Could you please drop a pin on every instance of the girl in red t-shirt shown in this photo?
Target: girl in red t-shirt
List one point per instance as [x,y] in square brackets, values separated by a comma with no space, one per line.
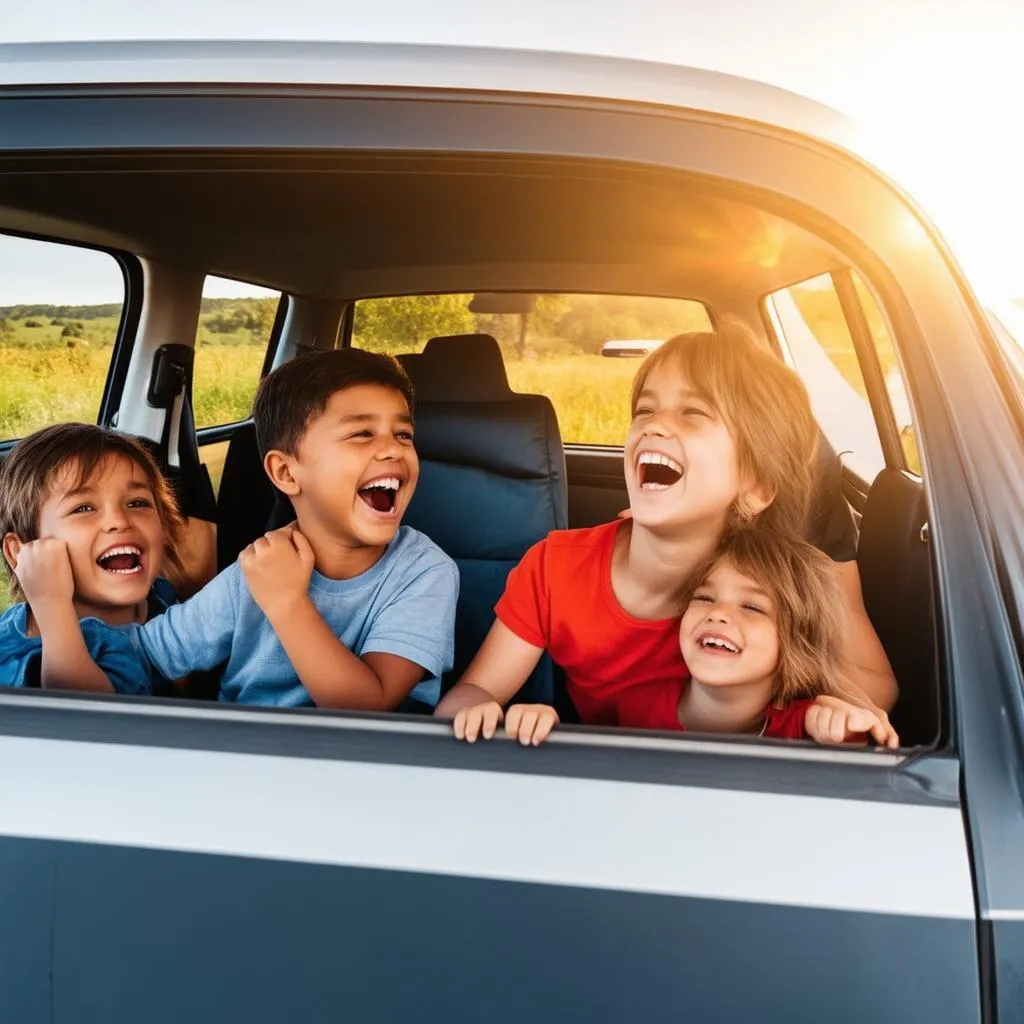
[762,636]
[722,433]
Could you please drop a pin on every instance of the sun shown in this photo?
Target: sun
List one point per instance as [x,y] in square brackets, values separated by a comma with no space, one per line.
[947,141]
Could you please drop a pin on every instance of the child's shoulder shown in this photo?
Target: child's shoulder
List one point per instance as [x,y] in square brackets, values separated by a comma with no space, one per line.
[416,550]
[14,622]
[583,539]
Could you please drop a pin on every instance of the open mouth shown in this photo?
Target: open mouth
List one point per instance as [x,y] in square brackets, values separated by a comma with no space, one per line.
[717,644]
[381,494]
[124,560]
[657,472]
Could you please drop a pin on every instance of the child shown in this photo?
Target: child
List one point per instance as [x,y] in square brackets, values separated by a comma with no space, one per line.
[88,523]
[722,433]
[762,638]
[344,608]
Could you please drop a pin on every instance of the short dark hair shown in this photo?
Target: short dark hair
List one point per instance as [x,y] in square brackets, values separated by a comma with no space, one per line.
[290,396]
[34,461]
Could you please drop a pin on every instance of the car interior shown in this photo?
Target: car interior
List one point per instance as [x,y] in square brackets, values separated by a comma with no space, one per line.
[329,231]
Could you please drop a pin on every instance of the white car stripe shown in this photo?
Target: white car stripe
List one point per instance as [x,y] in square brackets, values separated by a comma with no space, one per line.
[638,837]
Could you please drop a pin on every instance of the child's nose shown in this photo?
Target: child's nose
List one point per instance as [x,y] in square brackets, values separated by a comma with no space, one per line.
[115,518]
[655,426]
[718,613]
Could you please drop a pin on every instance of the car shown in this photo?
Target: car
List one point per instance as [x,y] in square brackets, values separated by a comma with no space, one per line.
[629,348]
[167,860]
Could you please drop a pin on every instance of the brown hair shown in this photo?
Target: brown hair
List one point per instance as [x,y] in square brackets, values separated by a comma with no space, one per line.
[290,396]
[805,589]
[765,407]
[28,471]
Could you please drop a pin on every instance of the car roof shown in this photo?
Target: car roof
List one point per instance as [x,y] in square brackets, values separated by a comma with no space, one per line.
[402,65]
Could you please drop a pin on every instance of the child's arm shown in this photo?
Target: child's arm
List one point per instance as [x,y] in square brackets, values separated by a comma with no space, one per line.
[278,568]
[44,572]
[503,663]
[869,672]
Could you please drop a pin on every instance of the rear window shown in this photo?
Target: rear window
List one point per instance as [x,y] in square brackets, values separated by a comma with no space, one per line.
[580,350]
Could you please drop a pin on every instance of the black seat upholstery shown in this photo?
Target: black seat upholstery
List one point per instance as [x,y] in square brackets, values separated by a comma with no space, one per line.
[247,501]
[896,577]
[492,479]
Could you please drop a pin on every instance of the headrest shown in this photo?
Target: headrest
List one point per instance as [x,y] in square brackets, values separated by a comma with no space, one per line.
[459,368]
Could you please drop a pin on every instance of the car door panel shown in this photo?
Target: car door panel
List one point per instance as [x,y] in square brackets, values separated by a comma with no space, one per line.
[275,866]
[596,485]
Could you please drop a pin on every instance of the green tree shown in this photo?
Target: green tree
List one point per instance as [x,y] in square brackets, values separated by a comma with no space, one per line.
[261,319]
[405,323]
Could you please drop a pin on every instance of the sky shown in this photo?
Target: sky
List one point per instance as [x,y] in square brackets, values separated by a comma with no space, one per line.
[939,84]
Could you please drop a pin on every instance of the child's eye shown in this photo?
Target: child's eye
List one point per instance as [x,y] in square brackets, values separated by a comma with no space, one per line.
[360,435]
[703,598]
[404,435]
[81,508]
[641,410]
[140,503]
[755,608]
[694,410]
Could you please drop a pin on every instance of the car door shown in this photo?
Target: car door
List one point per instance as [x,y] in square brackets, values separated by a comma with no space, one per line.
[170,861]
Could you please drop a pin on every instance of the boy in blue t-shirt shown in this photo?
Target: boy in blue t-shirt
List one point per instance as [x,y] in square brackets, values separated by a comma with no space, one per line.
[344,608]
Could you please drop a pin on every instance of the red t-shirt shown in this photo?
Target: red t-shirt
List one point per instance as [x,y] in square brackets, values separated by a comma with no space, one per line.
[657,707]
[560,597]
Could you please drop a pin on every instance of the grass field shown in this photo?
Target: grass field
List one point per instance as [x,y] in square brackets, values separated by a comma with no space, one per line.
[49,382]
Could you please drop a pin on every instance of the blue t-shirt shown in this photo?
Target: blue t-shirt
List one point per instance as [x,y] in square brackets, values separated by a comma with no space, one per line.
[403,605]
[112,649]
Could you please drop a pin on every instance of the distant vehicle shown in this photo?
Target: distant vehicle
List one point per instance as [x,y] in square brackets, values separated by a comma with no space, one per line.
[630,348]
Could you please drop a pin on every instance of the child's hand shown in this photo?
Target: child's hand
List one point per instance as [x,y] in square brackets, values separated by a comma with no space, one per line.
[833,720]
[477,720]
[277,568]
[531,724]
[43,569]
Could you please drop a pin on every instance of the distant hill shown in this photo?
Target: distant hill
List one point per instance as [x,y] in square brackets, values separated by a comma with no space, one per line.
[107,309]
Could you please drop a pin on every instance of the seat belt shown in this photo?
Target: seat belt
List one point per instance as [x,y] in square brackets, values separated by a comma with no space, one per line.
[177,451]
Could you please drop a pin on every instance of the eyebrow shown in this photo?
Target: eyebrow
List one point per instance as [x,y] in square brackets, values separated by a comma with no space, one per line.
[681,393]
[86,490]
[370,417]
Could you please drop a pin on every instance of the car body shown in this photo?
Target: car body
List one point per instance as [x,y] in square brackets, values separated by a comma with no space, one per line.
[165,860]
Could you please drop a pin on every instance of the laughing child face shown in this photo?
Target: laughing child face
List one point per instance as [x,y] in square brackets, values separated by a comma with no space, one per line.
[113,530]
[355,467]
[729,634]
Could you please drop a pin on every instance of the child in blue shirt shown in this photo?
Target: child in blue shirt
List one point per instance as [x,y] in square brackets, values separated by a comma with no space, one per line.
[88,523]
[344,607]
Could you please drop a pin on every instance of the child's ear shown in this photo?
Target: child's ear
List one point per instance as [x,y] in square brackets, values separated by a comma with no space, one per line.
[11,547]
[278,467]
[753,500]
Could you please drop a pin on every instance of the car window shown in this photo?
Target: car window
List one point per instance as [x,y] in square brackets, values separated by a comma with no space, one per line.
[235,322]
[60,308]
[579,350]
[816,341]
